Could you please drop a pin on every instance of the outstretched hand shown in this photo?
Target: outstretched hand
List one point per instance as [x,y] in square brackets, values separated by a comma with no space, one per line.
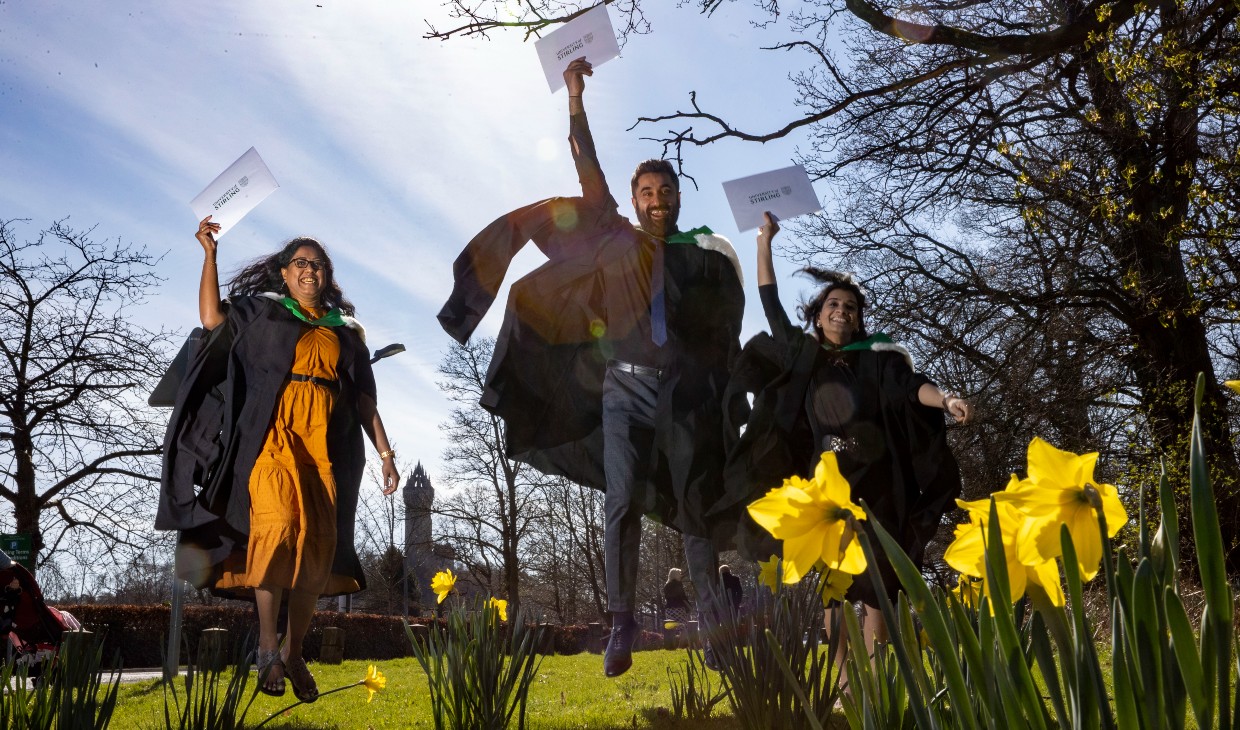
[206,235]
[574,76]
[767,231]
[958,408]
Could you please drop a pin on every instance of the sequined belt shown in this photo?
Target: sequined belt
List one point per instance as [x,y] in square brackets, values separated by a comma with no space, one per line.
[838,444]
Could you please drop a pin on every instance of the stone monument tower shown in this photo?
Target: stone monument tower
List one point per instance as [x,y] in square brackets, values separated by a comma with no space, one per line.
[420,560]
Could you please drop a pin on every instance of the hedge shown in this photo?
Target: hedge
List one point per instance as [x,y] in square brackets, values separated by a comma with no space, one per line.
[140,632]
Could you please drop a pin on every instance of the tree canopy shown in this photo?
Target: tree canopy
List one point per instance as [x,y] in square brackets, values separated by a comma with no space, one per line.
[1042,198]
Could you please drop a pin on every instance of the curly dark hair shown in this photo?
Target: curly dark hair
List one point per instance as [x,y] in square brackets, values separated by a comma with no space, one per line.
[263,274]
[833,280]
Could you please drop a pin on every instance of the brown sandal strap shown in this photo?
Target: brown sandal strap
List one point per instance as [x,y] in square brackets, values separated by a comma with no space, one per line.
[298,674]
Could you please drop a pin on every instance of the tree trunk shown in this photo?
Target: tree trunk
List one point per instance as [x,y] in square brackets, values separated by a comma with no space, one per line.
[27,506]
[1167,360]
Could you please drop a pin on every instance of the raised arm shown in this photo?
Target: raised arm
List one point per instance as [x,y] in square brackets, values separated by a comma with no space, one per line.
[589,172]
[210,309]
[766,264]
[768,292]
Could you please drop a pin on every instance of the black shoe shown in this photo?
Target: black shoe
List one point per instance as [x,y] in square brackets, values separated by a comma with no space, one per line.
[619,655]
[710,659]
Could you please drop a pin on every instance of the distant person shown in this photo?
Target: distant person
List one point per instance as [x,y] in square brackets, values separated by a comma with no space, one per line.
[613,359]
[675,600]
[832,386]
[731,588]
[269,421]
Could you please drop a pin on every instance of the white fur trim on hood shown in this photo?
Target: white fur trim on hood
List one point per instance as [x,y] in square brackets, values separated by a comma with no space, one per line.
[894,347]
[716,242]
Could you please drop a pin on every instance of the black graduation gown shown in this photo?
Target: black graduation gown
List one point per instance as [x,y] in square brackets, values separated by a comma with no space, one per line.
[902,467]
[223,409]
[546,374]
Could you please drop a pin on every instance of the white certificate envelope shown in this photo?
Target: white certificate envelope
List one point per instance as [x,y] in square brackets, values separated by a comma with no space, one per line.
[786,193]
[589,34]
[237,191]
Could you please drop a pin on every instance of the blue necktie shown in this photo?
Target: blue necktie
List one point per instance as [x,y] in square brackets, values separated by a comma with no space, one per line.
[658,314]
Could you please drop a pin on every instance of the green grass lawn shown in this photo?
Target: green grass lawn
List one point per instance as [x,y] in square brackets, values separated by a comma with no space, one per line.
[570,692]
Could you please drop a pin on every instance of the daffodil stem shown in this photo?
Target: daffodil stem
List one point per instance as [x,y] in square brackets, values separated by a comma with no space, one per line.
[299,702]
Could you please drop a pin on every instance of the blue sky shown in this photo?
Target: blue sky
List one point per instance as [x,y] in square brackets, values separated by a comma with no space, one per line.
[392,149]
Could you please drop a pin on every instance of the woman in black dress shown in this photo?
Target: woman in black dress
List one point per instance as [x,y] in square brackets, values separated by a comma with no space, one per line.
[833,387]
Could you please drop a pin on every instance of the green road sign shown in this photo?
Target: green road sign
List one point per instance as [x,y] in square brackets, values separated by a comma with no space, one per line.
[20,548]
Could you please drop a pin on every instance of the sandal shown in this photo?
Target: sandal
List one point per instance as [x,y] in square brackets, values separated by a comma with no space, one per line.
[267,661]
[304,688]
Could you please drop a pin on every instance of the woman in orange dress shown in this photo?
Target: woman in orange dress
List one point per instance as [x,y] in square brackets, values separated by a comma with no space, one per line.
[300,385]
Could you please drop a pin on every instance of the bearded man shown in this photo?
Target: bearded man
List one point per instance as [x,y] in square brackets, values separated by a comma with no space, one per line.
[613,359]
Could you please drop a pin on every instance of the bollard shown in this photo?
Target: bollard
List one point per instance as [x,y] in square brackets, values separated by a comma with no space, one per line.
[76,646]
[213,650]
[692,636]
[331,651]
[593,643]
[546,639]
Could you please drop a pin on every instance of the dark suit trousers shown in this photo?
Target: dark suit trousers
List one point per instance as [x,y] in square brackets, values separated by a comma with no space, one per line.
[629,406]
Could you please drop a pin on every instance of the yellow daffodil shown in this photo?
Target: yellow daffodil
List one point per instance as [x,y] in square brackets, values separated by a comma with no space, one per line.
[373,682]
[443,583]
[768,573]
[834,585]
[811,517]
[1060,489]
[501,607]
[1233,384]
[967,553]
[968,591]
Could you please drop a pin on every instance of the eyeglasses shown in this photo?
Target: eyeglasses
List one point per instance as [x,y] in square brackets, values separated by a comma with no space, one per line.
[316,264]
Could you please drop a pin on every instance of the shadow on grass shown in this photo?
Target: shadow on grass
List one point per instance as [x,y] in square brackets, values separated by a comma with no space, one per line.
[661,717]
[150,687]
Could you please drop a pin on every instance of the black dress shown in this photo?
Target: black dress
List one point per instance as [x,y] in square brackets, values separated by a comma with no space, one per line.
[862,404]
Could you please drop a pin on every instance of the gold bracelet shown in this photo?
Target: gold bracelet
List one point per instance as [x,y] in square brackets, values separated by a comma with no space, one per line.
[387,454]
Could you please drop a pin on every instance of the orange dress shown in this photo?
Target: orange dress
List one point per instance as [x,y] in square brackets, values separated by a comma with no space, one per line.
[292,490]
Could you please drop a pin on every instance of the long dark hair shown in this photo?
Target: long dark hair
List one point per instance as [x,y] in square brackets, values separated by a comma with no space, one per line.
[833,280]
[263,274]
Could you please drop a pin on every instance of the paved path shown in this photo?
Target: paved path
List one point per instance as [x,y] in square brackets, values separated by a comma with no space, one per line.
[141,675]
